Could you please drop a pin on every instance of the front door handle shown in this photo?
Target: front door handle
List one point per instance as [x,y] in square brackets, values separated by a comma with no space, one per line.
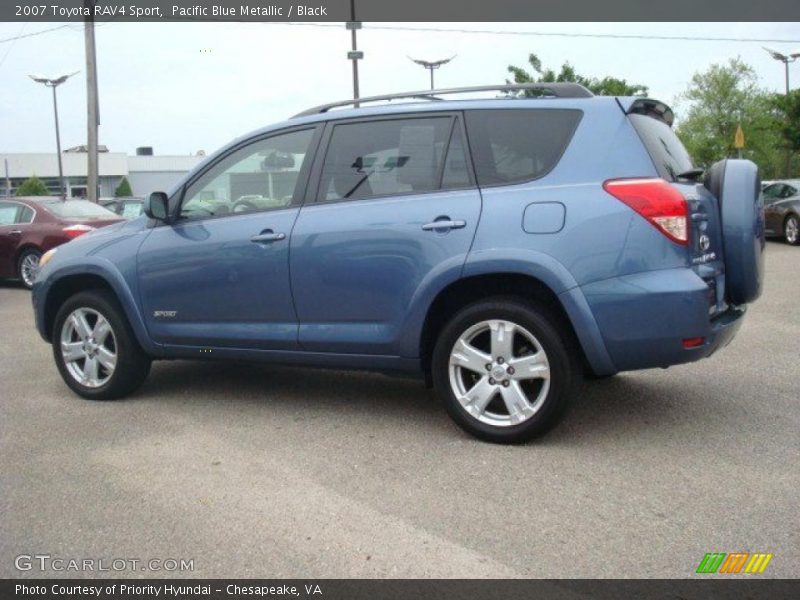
[267,236]
[15,232]
[444,225]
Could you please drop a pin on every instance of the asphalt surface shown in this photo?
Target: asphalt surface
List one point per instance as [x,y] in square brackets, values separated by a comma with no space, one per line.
[261,471]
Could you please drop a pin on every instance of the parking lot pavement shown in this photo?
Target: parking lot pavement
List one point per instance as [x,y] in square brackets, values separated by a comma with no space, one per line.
[283,472]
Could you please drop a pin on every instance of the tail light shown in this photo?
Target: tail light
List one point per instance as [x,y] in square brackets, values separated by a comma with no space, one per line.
[658,202]
[74,231]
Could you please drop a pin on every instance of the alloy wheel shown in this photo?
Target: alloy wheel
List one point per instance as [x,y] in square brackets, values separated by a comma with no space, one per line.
[88,347]
[28,268]
[792,230]
[499,372]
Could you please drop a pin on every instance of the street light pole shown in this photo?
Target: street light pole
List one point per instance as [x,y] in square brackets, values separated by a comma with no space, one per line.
[58,144]
[432,65]
[786,59]
[54,83]
[786,66]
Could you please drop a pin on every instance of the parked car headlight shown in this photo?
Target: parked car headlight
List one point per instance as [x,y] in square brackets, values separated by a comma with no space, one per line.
[46,257]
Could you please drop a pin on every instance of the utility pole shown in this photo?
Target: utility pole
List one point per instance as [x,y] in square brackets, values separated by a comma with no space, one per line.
[432,65]
[354,53]
[92,104]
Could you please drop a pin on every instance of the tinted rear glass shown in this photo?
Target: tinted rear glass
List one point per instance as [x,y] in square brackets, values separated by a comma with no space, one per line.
[79,209]
[664,147]
[511,146]
[382,158]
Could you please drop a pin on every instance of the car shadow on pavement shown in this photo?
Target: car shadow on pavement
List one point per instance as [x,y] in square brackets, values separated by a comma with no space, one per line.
[604,410]
[12,284]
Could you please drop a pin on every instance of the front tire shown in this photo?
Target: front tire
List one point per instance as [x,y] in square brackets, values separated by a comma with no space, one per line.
[95,349]
[791,230]
[505,370]
[27,266]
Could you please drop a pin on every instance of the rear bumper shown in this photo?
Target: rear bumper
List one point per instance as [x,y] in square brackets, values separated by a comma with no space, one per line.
[644,318]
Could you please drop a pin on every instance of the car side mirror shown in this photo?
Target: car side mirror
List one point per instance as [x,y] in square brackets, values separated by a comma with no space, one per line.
[156,206]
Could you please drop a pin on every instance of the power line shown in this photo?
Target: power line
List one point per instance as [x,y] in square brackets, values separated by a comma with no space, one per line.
[623,36]
[11,47]
[31,34]
[619,36]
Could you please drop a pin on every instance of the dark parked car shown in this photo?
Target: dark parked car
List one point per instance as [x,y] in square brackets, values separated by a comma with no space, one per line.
[497,248]
[782,210]
[29,227]
[127,208]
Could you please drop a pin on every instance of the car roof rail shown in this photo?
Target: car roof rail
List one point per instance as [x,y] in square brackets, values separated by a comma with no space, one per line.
[557,90]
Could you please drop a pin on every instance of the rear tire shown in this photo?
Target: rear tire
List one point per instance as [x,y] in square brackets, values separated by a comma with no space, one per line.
[505,369]
[27,265]
[95,349]
[791,230]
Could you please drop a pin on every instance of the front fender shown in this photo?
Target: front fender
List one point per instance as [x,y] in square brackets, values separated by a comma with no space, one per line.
[103,268]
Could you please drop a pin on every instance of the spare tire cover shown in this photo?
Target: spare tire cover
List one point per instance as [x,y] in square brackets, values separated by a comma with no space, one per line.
[737,186]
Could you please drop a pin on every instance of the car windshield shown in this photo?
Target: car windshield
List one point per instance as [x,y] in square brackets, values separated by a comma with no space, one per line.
[79,209]
[131,210]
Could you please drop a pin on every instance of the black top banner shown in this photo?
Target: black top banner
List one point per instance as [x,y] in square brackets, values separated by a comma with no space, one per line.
[396,10]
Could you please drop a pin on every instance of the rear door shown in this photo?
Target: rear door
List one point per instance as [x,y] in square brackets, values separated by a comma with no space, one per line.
[393,206]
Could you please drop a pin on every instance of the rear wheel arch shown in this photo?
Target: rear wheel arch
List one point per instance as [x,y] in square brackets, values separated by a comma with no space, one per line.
[24,248]
[470,290]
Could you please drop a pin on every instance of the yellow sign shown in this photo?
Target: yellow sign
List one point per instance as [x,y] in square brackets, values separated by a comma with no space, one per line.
[738,139]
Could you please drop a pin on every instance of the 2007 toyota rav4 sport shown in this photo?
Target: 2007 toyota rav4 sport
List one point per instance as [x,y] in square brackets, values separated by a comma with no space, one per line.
[500,248]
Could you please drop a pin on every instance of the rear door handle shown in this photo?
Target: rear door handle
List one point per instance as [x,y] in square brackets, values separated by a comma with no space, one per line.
[15,232]
[267,236]
[444,224]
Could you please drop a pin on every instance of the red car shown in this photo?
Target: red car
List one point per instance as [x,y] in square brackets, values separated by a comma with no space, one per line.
[29,227]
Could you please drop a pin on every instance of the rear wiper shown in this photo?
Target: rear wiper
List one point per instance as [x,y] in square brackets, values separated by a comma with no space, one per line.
[691,174]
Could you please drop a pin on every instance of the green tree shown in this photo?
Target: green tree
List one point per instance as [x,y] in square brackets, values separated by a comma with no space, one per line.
[33,186]
[787,107]
[718,101]
[607,86]
[123,189]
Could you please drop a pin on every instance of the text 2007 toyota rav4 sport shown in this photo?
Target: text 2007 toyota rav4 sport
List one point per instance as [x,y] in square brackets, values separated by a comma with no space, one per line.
[499,248]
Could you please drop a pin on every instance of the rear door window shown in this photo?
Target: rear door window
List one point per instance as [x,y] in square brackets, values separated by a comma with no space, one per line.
[8,213]
[667,151]
[515,145]
[389,157]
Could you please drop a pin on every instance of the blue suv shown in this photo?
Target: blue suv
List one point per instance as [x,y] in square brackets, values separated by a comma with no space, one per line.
[498,248]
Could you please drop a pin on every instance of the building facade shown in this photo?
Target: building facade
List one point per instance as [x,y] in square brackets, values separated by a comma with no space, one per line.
[145,174]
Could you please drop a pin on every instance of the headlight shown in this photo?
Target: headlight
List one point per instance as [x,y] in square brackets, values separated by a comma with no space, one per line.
[46,257]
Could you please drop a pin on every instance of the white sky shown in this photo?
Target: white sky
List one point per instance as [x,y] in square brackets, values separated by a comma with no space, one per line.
[183,87]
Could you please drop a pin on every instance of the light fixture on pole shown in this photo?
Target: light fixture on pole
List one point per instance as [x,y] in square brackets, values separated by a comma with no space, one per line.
[785,59]
[54,83]
[432,65]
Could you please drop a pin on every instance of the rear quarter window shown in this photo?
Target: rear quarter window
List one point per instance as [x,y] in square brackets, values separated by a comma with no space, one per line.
[516,145]
[665,149]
